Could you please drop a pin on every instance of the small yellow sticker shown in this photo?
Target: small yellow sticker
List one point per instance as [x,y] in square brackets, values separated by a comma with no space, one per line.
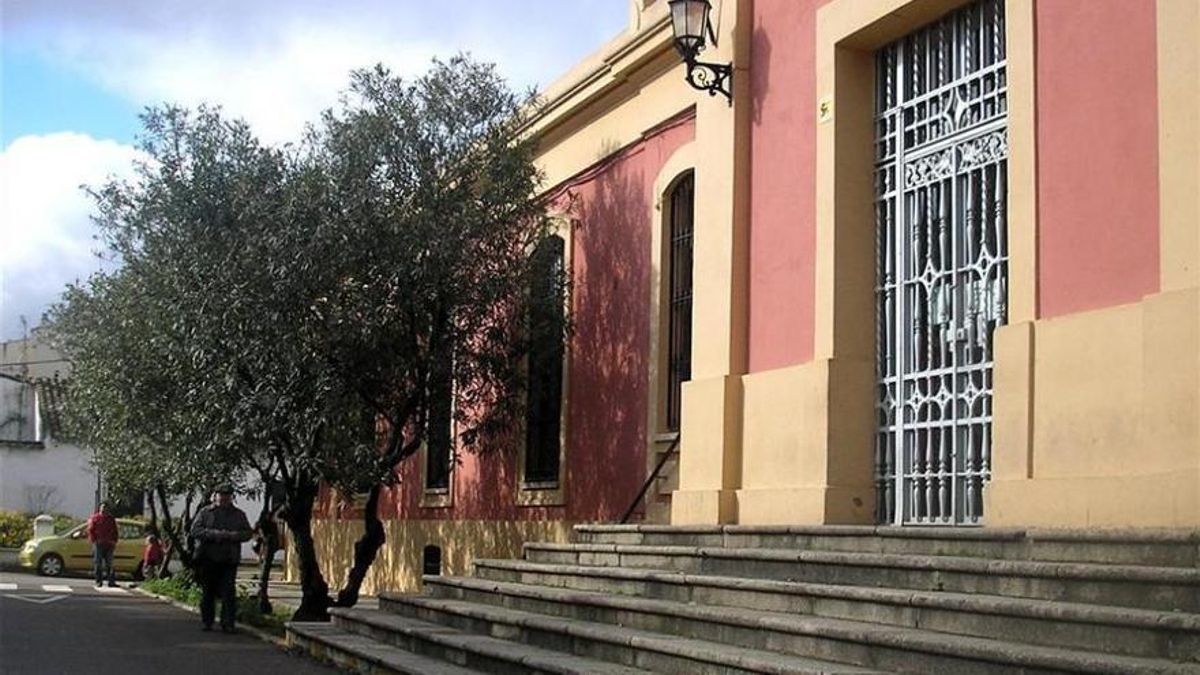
[825,110]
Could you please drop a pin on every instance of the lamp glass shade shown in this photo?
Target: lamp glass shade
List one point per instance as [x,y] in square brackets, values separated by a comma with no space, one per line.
[689,18]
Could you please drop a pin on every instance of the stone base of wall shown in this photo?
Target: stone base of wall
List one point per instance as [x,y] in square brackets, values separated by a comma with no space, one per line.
[398,565]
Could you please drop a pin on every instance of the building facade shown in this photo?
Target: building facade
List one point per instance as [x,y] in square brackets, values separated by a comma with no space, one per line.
[934,262]
[38,472]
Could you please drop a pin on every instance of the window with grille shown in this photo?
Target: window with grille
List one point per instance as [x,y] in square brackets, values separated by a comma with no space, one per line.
[543,416]
[679,271]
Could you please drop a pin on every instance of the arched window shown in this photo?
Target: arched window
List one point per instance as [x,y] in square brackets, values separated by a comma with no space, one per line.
[678,272]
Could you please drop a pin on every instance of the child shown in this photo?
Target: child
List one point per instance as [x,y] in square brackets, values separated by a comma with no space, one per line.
[152,557]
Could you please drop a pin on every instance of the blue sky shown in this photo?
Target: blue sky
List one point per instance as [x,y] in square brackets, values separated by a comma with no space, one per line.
[39,97]
[75,74]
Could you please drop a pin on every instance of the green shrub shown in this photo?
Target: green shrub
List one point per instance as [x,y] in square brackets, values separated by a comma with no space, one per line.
[15,529]
[180,587]
[64,522]
[183,588]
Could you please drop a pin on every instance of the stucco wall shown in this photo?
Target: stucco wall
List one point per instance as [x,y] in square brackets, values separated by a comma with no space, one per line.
[783,183]
[608,363]
[25,470]
[1097,102]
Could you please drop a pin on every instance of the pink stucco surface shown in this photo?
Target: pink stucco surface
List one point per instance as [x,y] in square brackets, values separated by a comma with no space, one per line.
[783,183]
[608,380]
[1097,135]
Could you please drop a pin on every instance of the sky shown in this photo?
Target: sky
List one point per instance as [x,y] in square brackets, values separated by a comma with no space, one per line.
[74,75]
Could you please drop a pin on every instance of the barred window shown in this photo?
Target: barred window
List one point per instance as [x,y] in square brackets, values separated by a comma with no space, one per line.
[679,272]
[543,412]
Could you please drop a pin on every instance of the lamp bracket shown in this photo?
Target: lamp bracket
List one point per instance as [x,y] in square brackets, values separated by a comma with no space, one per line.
[711,77]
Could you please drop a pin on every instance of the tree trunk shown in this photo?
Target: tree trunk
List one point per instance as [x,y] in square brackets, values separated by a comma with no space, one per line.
[264,580]
[314,600]
[268,543]
[365,549]
[153,525]
[178,538]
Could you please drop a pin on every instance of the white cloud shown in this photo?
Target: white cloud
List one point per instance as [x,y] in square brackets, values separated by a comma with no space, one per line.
[279,64]
[45,229]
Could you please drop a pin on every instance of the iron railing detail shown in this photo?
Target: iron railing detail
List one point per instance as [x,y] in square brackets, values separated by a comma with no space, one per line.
[942,263]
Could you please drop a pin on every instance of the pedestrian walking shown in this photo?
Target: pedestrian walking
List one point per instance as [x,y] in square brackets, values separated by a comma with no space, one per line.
[102,533]
[219,530]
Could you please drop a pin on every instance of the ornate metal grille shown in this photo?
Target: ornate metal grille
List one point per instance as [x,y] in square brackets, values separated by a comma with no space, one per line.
[679,340]
[942,263]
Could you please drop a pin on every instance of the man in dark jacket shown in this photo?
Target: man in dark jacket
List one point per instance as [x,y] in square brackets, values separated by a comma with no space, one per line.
[219,530]
[102,533]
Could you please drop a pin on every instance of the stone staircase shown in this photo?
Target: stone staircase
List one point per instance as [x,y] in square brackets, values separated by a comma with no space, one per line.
[740,599]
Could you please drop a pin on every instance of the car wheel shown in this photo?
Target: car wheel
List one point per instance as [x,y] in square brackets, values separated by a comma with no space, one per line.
[51,565]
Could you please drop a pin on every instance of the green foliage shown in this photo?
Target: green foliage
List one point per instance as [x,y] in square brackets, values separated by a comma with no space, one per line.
[16,528]
[183,588]
[180,587]
[275,304]
[64,522]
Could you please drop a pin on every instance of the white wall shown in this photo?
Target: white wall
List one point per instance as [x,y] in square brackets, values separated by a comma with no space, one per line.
[29,472]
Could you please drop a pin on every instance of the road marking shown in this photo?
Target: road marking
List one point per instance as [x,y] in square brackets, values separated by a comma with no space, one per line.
[36,599]
[111,589]
[8,587]
[52,588]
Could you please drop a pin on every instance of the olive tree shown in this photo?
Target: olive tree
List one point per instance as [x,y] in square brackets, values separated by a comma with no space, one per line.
[276,307]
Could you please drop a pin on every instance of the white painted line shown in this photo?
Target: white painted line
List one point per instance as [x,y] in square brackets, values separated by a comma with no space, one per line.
[36,599]
[111,589]
[52,588]
[8,587]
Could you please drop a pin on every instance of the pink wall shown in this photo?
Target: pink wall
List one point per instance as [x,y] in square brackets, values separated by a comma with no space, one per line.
[783,183]
[1097,165]
[1097,153]
[609,365]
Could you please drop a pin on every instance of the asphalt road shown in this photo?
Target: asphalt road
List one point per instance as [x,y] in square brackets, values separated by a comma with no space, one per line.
[69,627]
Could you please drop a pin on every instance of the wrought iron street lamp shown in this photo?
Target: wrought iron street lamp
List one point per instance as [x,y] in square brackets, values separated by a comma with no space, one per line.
[693,27]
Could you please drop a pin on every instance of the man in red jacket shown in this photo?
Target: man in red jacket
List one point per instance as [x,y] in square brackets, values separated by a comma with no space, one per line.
[102,532]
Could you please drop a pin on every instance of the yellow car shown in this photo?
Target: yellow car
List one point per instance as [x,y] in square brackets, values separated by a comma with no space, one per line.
[72,552]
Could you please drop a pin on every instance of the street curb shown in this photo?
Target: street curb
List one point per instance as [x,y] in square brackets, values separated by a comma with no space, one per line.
[252,630]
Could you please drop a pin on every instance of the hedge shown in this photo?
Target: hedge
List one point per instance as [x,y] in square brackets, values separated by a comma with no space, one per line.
[16,527]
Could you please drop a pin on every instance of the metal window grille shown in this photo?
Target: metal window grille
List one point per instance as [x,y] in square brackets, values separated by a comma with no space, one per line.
[679,330]
[543,421]
[942,263]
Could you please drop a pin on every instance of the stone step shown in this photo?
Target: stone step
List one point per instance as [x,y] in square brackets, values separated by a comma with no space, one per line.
[866,644]
[352,652]
[1124,631]
[482,653]
[1159,588]
[617,644]
[1159,548]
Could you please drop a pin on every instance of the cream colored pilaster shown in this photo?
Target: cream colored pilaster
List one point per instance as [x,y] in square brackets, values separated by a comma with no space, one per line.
[1179,143]
[1021,67]
[710,449]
